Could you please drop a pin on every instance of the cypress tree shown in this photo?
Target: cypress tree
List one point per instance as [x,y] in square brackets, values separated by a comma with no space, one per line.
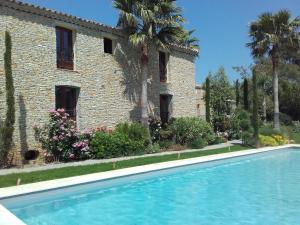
[255,109]
[246,98]
[6,133]
[237,93]
[207,99]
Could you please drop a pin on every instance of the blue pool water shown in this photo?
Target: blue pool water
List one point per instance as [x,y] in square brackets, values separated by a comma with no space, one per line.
[262,189]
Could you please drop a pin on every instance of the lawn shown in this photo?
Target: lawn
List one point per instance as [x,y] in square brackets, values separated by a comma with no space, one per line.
[11,179]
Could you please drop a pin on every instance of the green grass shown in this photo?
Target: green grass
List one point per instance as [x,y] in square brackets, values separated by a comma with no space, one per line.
[11,179]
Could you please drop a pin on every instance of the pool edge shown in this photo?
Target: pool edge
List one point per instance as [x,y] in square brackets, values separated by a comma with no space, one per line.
[8,218]
[14,191]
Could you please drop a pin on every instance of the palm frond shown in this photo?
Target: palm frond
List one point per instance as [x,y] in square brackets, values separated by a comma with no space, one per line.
[158,21]
[271,32]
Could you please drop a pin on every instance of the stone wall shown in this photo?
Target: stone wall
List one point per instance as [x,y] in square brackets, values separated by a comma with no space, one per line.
[109,84]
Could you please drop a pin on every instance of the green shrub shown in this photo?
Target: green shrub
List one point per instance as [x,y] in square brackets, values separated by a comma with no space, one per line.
[165,144]
[241,127]
[268,130]
[166,134]
[219,140]
[267,141]
[197,143]
[153,148]
[188,129]
[285,119]
[104,145]
[247,138]
[296,126]
[134,132]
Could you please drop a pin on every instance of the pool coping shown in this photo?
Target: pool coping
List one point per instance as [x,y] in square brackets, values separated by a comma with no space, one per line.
[7,218]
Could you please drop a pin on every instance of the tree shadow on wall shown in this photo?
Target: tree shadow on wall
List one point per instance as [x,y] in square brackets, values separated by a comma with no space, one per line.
[23,127]
[131,79]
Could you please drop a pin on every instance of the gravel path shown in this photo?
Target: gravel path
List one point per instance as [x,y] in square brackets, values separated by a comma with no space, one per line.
[31,168]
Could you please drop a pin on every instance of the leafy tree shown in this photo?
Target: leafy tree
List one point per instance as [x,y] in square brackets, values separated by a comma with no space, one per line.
[221,93]
[237,93]
[207,100]
[255,108]
[147,23]
[290,99]
[6,132]
[246,94]
[271,35]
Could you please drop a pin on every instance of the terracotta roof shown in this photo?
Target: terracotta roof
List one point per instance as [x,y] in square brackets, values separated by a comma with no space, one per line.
[49,13]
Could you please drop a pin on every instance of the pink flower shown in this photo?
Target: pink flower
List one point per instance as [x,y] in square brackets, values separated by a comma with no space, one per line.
[72,156]
[52,111]
[55,138]
[61,110]
[61,137]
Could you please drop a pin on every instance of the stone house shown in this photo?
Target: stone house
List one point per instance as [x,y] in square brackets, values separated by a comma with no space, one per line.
[90,69]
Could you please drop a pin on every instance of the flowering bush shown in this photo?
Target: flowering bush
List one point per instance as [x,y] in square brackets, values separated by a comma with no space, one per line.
[155,128]
[267,141]
[280,139]
[61,139]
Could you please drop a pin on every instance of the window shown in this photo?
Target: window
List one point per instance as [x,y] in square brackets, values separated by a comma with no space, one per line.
[108,46]
[163,67]
[64,48]
[165,101]
[66,98]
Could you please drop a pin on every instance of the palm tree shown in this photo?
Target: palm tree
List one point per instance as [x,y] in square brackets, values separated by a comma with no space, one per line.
[190,41]
[270,35]
[263,68]
[147,23]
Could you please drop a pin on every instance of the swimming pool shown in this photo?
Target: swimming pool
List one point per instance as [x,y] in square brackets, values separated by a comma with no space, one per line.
[256,189]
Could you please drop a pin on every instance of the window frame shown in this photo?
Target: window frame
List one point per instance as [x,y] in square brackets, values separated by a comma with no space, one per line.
[61,96]
[163,66]
[61,61]
[110,48]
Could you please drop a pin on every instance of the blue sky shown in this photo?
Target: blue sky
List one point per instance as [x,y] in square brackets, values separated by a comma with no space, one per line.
[221,26]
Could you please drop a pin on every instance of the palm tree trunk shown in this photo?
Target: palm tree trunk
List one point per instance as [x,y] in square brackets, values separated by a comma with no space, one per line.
[276,100]
[144,91]
[264,108]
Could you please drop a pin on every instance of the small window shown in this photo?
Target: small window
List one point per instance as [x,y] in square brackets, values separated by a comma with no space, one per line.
[64,48]
[163,66]
[66,98]
[108,46]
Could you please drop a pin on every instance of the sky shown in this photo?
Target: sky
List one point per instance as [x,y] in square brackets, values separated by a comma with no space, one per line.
[221,26]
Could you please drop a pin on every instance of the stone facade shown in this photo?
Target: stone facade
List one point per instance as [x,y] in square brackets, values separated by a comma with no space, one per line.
[200,102]
[108,85]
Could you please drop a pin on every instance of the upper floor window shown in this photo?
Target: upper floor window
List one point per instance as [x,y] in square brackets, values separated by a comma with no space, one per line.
[108,46]
[64,48]
[163,66]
